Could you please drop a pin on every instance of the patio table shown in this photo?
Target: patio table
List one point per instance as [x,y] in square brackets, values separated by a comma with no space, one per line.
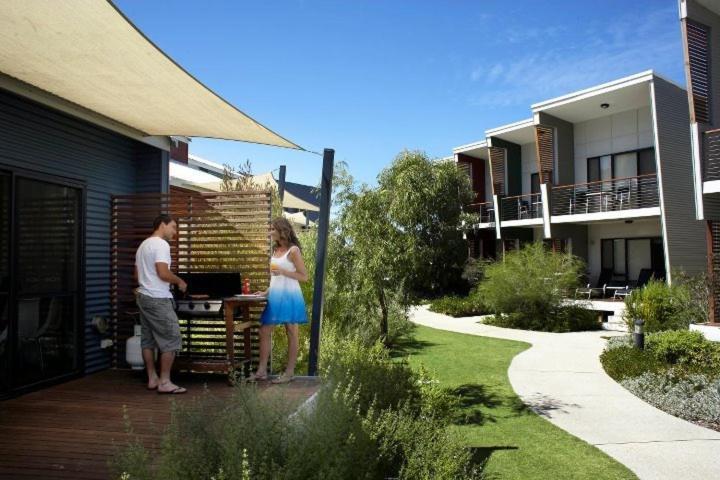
[602,197]
[232,325]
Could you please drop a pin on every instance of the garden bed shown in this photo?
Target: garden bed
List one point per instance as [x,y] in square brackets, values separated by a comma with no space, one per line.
[678,372]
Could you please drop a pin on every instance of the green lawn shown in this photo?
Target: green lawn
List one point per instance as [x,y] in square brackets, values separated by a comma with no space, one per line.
[519,443]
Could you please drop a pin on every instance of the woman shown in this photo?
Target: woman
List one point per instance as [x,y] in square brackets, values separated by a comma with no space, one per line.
[285,303]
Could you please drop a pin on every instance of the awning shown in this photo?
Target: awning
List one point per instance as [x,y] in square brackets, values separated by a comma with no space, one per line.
[87,52]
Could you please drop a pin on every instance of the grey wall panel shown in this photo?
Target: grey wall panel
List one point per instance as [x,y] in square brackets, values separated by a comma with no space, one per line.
[564,148]
[684,236]
[578,234]
[35,138]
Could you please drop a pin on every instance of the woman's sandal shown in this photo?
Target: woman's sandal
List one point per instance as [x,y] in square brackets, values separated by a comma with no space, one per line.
[282,379]
[254,377]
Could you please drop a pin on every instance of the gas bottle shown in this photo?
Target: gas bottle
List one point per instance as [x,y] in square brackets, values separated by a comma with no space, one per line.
[133,350]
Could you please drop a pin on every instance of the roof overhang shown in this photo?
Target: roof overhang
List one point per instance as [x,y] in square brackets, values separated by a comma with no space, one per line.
[87,53]
[624,94]
[521,132]
[475,150]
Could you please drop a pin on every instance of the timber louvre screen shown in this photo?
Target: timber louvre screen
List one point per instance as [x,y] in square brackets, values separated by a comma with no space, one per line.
[217,232]
[698,45]
[545,141]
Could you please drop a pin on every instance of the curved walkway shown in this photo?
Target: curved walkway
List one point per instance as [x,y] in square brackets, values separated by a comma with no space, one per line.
[561,378]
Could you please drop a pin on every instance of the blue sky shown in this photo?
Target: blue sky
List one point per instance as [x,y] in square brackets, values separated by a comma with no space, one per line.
[370,78]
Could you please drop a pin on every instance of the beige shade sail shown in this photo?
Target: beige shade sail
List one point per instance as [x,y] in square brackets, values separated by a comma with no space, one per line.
[87,52]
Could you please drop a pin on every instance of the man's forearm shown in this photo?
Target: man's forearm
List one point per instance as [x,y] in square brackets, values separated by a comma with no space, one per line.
[171,278]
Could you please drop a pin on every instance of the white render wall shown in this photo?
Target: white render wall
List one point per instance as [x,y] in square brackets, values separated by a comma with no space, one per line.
[620,132]
[528,165]
[599,231]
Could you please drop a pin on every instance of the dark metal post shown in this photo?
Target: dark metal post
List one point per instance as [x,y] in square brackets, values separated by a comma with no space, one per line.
[281,183]
[320,257]
[639,334]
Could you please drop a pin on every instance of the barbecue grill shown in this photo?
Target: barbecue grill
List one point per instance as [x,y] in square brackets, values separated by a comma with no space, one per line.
[205,293]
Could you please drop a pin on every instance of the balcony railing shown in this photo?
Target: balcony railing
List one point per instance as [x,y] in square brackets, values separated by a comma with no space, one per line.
[711,154]
[606,196]
[486,211]
[521,207]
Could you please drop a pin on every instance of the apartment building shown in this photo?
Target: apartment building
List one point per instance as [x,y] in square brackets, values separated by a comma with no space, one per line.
[700,26]
[604,173]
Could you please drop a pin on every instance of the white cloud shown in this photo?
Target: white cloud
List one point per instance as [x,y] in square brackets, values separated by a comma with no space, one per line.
[607,52]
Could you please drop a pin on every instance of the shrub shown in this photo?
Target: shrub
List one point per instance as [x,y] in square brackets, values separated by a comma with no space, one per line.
[378,379]
[627,362]
[567,318]
[617,342]
[661,306]
[351,433]
[699,294]
[527,289]
[469,306]
[688,349]
[695,397]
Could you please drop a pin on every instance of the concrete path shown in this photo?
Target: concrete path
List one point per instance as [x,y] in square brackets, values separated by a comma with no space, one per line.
[561,378]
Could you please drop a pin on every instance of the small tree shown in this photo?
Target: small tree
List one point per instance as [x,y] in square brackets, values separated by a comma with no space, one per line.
[528,288]
[242,180]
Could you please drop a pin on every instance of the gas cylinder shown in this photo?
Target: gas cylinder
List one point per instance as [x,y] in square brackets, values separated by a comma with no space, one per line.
[133,350]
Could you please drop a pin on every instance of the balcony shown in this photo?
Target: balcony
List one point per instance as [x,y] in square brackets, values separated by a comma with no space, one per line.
[484,210]
[711,153]
[521,207]
[616,197]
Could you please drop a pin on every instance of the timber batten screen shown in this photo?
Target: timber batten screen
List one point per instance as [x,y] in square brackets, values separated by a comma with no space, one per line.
[545,143]
[698,58]
[497,169]
[217,232]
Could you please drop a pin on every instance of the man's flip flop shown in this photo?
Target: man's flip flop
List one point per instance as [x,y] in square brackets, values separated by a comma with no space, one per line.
[174,391]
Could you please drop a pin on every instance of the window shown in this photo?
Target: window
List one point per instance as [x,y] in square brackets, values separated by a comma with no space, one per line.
[627,256]
[535,183]
[621,165]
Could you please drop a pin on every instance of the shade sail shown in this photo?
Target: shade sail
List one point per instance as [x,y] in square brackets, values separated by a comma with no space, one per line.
[87,52]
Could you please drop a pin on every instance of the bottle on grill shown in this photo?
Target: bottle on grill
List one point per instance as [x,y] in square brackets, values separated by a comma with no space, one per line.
[246,286]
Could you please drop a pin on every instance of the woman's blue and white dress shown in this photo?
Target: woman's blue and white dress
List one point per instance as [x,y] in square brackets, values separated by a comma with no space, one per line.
[285,302]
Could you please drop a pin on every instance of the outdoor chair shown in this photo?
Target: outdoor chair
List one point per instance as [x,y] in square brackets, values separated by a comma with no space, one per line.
[523,209]
[643,278]
[600,287]
[578,199]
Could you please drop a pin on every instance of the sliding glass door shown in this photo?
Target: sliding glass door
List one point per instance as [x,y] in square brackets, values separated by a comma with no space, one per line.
[40,287]
[5,205]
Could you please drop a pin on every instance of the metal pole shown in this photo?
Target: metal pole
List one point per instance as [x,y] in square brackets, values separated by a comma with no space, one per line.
[639,334]
[320,257]
[281,184]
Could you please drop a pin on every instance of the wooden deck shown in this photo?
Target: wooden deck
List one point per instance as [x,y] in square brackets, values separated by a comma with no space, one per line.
[72,430]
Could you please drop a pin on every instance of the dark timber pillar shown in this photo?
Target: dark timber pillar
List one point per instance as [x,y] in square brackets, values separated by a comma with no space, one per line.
[320,258]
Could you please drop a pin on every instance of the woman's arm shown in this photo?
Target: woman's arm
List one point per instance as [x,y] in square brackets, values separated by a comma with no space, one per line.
[300,273]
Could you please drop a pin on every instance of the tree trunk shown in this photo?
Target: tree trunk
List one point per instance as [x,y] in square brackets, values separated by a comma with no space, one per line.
[384,317]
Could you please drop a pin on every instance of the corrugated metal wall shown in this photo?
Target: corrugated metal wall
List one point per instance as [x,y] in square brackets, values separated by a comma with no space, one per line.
[686,246]
[38,139]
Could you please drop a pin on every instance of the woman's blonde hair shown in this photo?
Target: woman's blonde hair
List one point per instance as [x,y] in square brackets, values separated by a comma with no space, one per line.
[285,231]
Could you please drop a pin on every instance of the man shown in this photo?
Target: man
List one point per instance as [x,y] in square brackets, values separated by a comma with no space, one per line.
[160,327]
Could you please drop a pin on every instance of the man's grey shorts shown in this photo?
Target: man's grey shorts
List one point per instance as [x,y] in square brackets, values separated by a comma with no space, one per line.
[159,322]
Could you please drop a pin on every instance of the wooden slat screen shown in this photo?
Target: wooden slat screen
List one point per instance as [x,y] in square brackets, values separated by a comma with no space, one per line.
[217,232]
[497,166]
[698,57]
[545,143]
[714,266]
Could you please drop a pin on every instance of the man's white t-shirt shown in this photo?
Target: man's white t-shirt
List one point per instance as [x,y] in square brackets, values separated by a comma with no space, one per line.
[151,251]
